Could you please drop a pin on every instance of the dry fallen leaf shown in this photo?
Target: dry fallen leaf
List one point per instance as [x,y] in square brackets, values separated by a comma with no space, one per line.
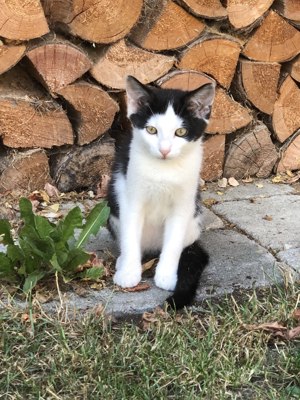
[220,193]
[268,326]
[247,180]
[233,182]
[138,288]
[296,314]
[51,190]
[293,333]
[268,218]
[259,185]
[209,202]
[222,183]
[149,264]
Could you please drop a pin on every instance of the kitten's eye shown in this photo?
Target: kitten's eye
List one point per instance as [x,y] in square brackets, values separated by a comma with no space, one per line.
[181,132]
[151,130]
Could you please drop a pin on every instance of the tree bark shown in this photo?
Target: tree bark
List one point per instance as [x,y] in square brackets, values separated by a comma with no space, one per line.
[92,110]
[27,170]
[79,168]
[286,115]
[202,8]
[275,40]
[216,56]
[295,69]
[257,82]
[213,157]
[251,154]
[165,26]
[29,118]
[22,20]
[122,59]
[57,63]
[290,155]
[289,9]
[244,13]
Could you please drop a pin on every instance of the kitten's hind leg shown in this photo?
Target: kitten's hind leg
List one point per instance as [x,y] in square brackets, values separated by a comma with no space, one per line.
[192,262]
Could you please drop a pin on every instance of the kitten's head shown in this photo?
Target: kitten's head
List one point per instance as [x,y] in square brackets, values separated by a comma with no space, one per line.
[167,121]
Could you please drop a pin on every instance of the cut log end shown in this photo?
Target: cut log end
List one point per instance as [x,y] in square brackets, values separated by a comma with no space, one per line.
[27,170]
[58,64]
[22,20]
[93,110]
[290,156]
[213,157]
[207,9]
[286,116]
[243,13]
[171,28]
[217,57]
[121,60]
[9,56]
[275,40]
[251,154]
[82,167]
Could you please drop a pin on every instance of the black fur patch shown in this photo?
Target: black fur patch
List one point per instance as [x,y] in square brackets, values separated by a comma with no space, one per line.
[192,263]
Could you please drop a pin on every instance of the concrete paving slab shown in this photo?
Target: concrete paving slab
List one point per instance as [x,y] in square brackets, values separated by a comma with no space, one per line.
[292,258]
[259,188]
[236,262]
[210,220]
[274,221]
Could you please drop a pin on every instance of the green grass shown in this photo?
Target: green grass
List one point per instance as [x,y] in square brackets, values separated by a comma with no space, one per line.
[204,354]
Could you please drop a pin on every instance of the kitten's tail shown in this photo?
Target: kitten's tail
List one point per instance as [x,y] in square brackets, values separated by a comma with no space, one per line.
[192,262]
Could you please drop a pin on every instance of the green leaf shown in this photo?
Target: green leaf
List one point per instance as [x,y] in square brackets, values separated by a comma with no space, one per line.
[43,227]
[76,257]
[32,280]
[43,248]
[92,274]
[14,253]
[94,221]
[7,272]
[72,220]
[5,231]
[26,211]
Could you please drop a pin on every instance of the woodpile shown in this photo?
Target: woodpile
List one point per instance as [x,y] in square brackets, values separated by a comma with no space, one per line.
[63,65]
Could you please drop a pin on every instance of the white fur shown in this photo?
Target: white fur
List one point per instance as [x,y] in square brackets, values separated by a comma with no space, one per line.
[157,201]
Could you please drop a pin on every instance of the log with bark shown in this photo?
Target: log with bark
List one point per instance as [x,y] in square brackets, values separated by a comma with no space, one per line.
[286,116]
[122,59]
[164,25]
[29,117]
[57,63]
[252,153]
[289,9]
[246,13]
[257,82]
[212,9]
[91,110]
[213,157]
[28,170]
[22,20]
[290,155]
[214,55]
[82,167]
[10,56]
[275,40]
[295,68]
[103,21]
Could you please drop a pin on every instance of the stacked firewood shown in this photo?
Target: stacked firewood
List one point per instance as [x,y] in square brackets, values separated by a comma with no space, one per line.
[63,65]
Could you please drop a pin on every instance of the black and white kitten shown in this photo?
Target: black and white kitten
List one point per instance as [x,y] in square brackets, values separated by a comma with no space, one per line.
[153,193]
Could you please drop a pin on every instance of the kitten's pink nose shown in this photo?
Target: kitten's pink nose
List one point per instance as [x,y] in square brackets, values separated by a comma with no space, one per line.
[164,152]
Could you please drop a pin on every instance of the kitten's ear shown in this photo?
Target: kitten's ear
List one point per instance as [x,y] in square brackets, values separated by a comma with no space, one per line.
[200,101]
[137,95]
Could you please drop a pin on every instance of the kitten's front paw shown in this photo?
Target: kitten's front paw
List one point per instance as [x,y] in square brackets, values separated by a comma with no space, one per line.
[127,276]
[165,279]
